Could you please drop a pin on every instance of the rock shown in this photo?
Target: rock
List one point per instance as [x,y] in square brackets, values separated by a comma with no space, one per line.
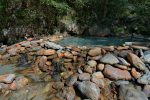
[121,82]
[68,55]
[128,92]
[109,48]
[71,80]
[6,57]
[12,51]
[122,47]
[23,60]
[147,56]
[4,86]
[60,54]
[3,50]
[135,74]
[139,47]
[89,89]
[68,93]
[88,69]
[136,61]
[40,52]
[109,59]
[58,85]
[116,74]
[19,82]
[95,52]
[121,66]
[49,52]
[98,75]
[146,90]
[122,61]
[42,64]
[51,45]
[100,67]
[145,79]
[84,77]
[92,63]
[26,44]
[99,82]
[7,78]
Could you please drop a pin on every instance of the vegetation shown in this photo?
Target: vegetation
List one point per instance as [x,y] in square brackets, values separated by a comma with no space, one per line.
[43,16]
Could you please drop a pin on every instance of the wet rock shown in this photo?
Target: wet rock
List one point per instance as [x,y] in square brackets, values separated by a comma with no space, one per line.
[51,45]
[84,77]
[95,52]
[128,92]
[89,89]
[99,82]
[122,61]
[98,75]
[146,90]
[49,52]
[71,80]
[92,63]
[7,78]
[136,61]
[12,51]
[100,67]
[135,74]
[109,59]
[145,79]
[116,74]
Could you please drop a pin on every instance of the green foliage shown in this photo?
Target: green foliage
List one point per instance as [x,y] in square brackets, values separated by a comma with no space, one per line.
[43,15]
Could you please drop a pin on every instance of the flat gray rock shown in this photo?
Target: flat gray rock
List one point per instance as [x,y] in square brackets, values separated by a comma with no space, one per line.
[128,92]
[89,89]
[145,79]
[53,45]
[109,59]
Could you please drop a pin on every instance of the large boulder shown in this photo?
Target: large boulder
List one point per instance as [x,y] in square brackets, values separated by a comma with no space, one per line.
[89,90]
[136,61]
[116,74]
[109,59]
[128,92]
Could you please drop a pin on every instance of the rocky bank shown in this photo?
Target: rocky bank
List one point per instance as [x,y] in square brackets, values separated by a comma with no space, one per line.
[80,73]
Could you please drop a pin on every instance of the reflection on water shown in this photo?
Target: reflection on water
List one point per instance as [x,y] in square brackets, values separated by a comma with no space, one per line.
[98,41]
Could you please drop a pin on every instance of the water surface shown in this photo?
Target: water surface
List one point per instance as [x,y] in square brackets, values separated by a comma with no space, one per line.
[98,41]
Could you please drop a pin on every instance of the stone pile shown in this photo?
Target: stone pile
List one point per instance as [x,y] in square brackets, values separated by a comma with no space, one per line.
[89,71]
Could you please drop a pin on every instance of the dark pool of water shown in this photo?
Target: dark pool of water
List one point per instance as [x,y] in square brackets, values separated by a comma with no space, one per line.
[98,41]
